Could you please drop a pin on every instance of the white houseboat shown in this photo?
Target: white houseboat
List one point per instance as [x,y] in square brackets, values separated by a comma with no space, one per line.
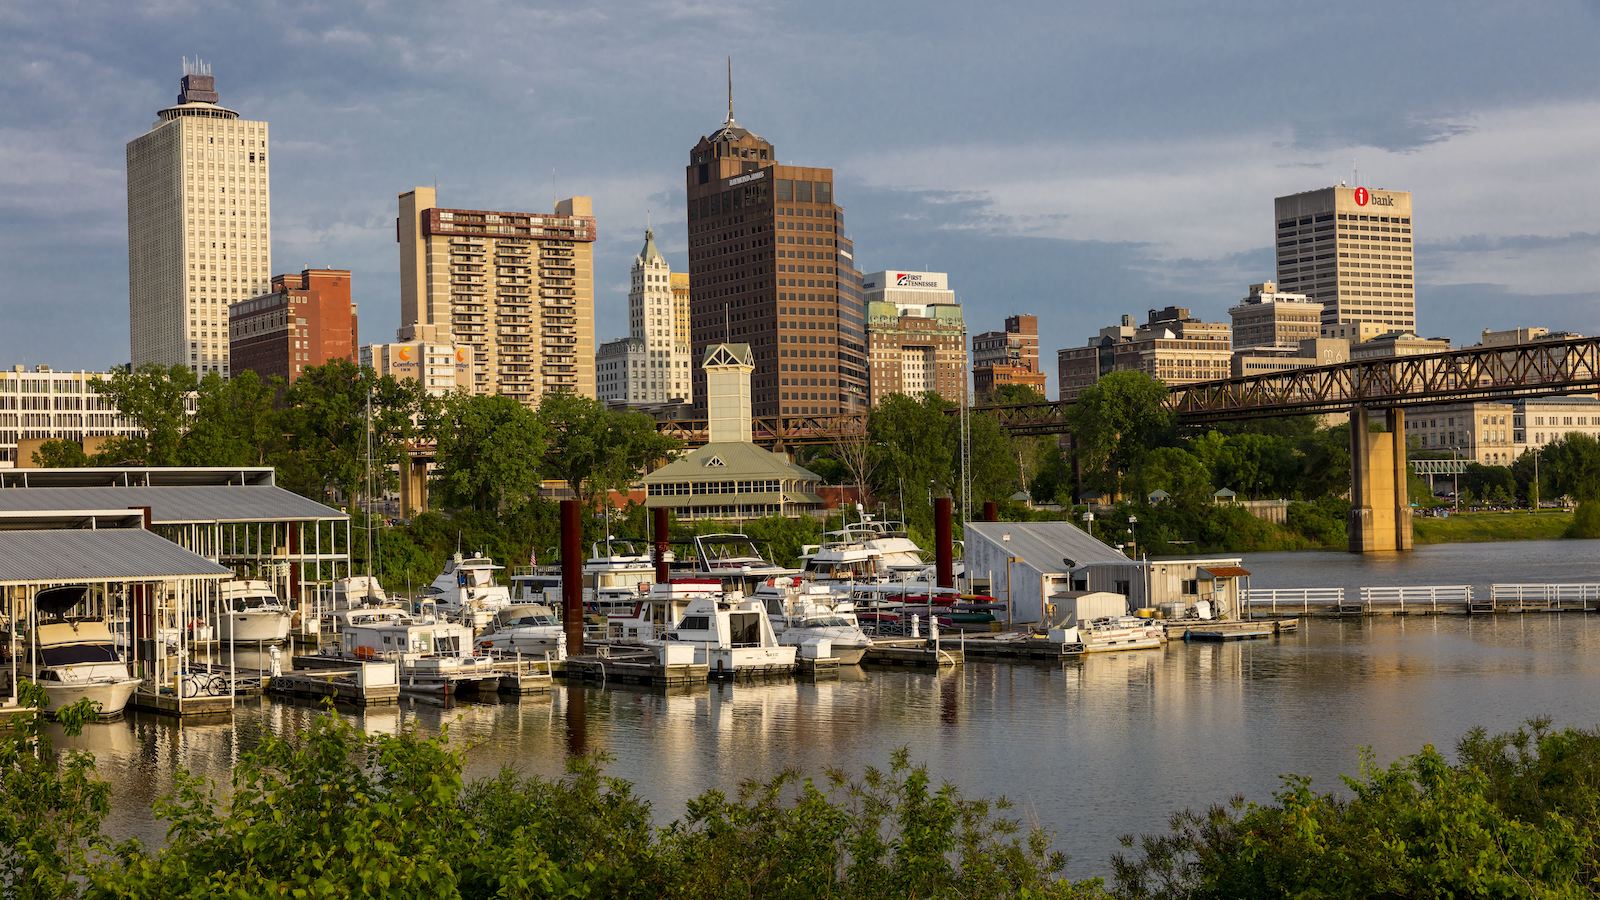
[732,637]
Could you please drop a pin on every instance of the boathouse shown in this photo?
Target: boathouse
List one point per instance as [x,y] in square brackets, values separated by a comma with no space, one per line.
[731,477]
[237,517]
[144,587]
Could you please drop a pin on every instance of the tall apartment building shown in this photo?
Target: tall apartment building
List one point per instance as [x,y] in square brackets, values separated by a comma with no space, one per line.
[199,226]
[1269,317]
[440,368]
[916,338]
[650,366]
[679,281]
[1172,347]
[38,405]
[1349,248]
[306,320]
[514,289]
[771,267]
[1007,357]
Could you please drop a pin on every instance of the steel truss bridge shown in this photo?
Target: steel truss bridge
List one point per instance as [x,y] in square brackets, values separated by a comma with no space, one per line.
[1539,369]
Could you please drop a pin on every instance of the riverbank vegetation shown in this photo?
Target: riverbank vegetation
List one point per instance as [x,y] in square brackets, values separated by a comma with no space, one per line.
[333,812]
[1505,525]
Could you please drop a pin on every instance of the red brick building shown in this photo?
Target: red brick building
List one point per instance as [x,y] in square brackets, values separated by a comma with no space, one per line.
[307,320]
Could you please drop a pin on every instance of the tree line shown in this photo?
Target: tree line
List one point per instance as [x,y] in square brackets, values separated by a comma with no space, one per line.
[490,453]
[331,811]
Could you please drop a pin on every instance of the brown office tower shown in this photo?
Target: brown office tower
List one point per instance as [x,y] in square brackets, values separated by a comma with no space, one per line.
[513,289]
[306,320]
[1007,357]
[770,267]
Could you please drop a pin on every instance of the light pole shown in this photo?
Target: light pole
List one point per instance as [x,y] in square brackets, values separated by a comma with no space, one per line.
[1088,522]
[1456,474]
[1536,478]
[1133,536]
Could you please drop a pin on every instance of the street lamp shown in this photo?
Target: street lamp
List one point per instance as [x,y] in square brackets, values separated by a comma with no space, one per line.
[1456,474]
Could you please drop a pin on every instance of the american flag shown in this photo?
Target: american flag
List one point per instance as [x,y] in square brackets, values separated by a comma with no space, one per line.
[533,557]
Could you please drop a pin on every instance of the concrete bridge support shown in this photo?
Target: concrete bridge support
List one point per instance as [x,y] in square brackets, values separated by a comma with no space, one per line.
[413,486]
[1380,511]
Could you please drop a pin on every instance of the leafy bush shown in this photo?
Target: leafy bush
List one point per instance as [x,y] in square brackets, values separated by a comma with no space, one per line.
[1585,521]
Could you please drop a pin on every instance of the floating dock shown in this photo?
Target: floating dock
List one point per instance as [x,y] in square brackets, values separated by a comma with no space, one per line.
[1178,629]
[915,653]
[640,667]
[343,685]
[1424,600]
[1215,635]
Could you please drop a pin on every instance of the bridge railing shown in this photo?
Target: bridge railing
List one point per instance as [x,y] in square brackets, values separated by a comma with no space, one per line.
[1546,596]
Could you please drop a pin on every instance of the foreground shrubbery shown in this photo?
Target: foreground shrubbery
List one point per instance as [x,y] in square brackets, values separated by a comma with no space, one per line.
[338,813]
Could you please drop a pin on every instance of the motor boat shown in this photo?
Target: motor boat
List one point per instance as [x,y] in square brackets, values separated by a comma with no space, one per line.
[731,636]
[536,585]
[525,628]
[734,560]
[76,659]
[356,591]
[250,613]
[614,575]
[842,561]
[802,612]
[434,657]
[659,609]
[465,591]
[1119,633]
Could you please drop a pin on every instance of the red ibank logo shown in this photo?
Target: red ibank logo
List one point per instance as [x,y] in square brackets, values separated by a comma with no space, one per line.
[1361,196]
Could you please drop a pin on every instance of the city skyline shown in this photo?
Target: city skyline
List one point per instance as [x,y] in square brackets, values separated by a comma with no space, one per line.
[1074,203]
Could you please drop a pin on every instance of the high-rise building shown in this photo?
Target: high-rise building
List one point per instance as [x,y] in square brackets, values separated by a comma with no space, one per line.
[772,268]
[199,226]
[1172,347]
[651,365]
[680,304]
[916,339]
[1007,357]
[440,368]
[306,320]
[1269,317]
[515,289]
[1349,249]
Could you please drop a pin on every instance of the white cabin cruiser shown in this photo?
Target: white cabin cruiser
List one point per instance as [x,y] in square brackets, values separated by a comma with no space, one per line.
[251,614]
[734,560]
[732,637]
[465,591]
[842,560]
[535,585]
[356,591]
[526,628]
[802,612]
[659,609]
[75,660]
[432,657]
[613,574]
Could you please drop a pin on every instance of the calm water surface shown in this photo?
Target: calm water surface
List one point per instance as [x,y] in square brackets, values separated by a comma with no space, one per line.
[1090,749]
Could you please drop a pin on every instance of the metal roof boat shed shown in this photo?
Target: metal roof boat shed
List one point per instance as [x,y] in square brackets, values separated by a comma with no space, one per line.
[238,517]
[134,577]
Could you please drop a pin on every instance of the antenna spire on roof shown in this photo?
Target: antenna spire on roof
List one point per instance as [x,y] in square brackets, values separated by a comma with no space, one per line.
[730,89]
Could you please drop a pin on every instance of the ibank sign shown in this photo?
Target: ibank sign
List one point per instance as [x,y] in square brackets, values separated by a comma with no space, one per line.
[1364,197]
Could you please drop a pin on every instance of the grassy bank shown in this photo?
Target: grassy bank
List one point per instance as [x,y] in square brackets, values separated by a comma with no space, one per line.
[1518,525]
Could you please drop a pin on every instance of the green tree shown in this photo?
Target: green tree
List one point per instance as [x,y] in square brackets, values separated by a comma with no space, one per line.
[61,454]
[1115,422]
[325,426]
[488,451]
[235,421]
[595,449]
[155,399]
[914,440]
[1013,395]
[1570,465]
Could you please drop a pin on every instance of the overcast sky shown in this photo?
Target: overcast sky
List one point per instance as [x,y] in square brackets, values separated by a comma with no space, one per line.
[1074,161]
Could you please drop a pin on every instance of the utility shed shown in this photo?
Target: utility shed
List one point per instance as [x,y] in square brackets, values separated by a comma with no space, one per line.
[1028,562]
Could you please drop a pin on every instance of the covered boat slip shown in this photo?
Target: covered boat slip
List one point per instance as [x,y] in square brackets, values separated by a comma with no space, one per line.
[237,517]
[139,587]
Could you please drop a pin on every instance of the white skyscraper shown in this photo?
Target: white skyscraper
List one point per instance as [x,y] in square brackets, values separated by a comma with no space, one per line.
[199,226]
[651,365]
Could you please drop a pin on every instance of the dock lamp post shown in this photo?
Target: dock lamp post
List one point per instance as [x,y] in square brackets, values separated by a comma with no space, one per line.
[1456,485]
[1133,536]
[1088,521]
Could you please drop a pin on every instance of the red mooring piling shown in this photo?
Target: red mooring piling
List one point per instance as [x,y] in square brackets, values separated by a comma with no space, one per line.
[944,543]
[572,574]
[659,519]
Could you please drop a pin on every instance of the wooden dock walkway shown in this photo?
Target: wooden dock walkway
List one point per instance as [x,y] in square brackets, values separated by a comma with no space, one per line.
[1423,600]
[917,653]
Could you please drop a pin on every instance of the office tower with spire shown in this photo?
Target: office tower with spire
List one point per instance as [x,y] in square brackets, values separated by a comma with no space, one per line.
[649,367]
[199,226]
[515,290]
[771,267]
[1349,249]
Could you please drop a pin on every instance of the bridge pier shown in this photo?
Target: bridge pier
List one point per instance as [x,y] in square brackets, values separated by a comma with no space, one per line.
[413,486]
[1380,511]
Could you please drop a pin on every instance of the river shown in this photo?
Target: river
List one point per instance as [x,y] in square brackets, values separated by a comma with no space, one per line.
[1091,749]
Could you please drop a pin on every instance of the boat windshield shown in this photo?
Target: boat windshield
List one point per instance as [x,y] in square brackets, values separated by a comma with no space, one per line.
[829,622]
[527,621]
[78,654]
